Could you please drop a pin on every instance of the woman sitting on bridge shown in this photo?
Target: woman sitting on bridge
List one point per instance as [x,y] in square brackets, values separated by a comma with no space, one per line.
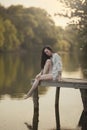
[51,68]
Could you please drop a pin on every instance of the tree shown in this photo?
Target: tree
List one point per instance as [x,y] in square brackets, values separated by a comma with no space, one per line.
[27,27]
[11,40]
[78,10]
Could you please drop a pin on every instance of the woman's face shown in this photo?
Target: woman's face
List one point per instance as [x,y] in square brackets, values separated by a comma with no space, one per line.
[48,52]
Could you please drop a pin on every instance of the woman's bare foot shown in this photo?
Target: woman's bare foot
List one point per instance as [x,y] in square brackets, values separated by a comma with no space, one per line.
[27,96]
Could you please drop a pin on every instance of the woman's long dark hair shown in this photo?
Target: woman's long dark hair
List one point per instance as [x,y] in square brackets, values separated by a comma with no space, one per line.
[44,57]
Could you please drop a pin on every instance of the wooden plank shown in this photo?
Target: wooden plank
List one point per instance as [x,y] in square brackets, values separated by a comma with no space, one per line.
[66,82]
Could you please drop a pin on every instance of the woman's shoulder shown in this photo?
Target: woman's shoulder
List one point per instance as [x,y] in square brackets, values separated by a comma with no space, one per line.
[56,54]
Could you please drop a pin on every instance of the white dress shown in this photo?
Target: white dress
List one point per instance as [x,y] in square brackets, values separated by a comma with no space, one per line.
[56,65]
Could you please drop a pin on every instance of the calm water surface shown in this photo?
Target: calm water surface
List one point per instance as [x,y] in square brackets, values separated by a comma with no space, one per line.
[16,72]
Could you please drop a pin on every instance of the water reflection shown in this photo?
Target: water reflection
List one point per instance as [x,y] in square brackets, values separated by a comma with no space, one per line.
[17,70]
[34,125]
[70,62]
[83,63]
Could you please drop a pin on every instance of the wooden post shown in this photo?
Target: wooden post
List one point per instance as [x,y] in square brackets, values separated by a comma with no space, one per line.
[36,110]
[83,121]
[57,108]
[84,98]
[35,98]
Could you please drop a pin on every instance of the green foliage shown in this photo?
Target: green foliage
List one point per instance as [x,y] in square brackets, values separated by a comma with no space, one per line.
[64,45]
[79,11]
[67,39]
[26,28]
[71,36]
[11,41]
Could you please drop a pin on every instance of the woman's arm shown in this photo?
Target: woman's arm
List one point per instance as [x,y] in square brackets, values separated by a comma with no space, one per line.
[38,75]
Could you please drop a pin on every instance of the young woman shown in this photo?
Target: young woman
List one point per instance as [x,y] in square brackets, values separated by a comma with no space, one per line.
[51,68]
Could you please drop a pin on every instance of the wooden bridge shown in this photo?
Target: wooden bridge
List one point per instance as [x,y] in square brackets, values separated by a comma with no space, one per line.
[67,83]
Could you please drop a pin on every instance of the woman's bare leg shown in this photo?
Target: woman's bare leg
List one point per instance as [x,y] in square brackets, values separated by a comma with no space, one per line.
[46,69]
[47,66]
[46,77]
[34,86]
[36,82]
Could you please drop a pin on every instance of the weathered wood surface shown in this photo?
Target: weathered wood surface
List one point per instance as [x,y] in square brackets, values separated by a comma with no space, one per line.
[66,82]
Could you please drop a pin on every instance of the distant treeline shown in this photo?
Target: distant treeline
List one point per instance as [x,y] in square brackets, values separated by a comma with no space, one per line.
[25,28]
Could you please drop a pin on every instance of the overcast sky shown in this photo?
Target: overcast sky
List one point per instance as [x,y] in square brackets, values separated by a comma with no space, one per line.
[51,6]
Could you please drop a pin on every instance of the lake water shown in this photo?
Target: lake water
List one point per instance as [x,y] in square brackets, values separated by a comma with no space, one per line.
[16,72]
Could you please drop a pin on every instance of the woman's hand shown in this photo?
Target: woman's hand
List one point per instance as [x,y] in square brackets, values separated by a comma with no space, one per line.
[38,75]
